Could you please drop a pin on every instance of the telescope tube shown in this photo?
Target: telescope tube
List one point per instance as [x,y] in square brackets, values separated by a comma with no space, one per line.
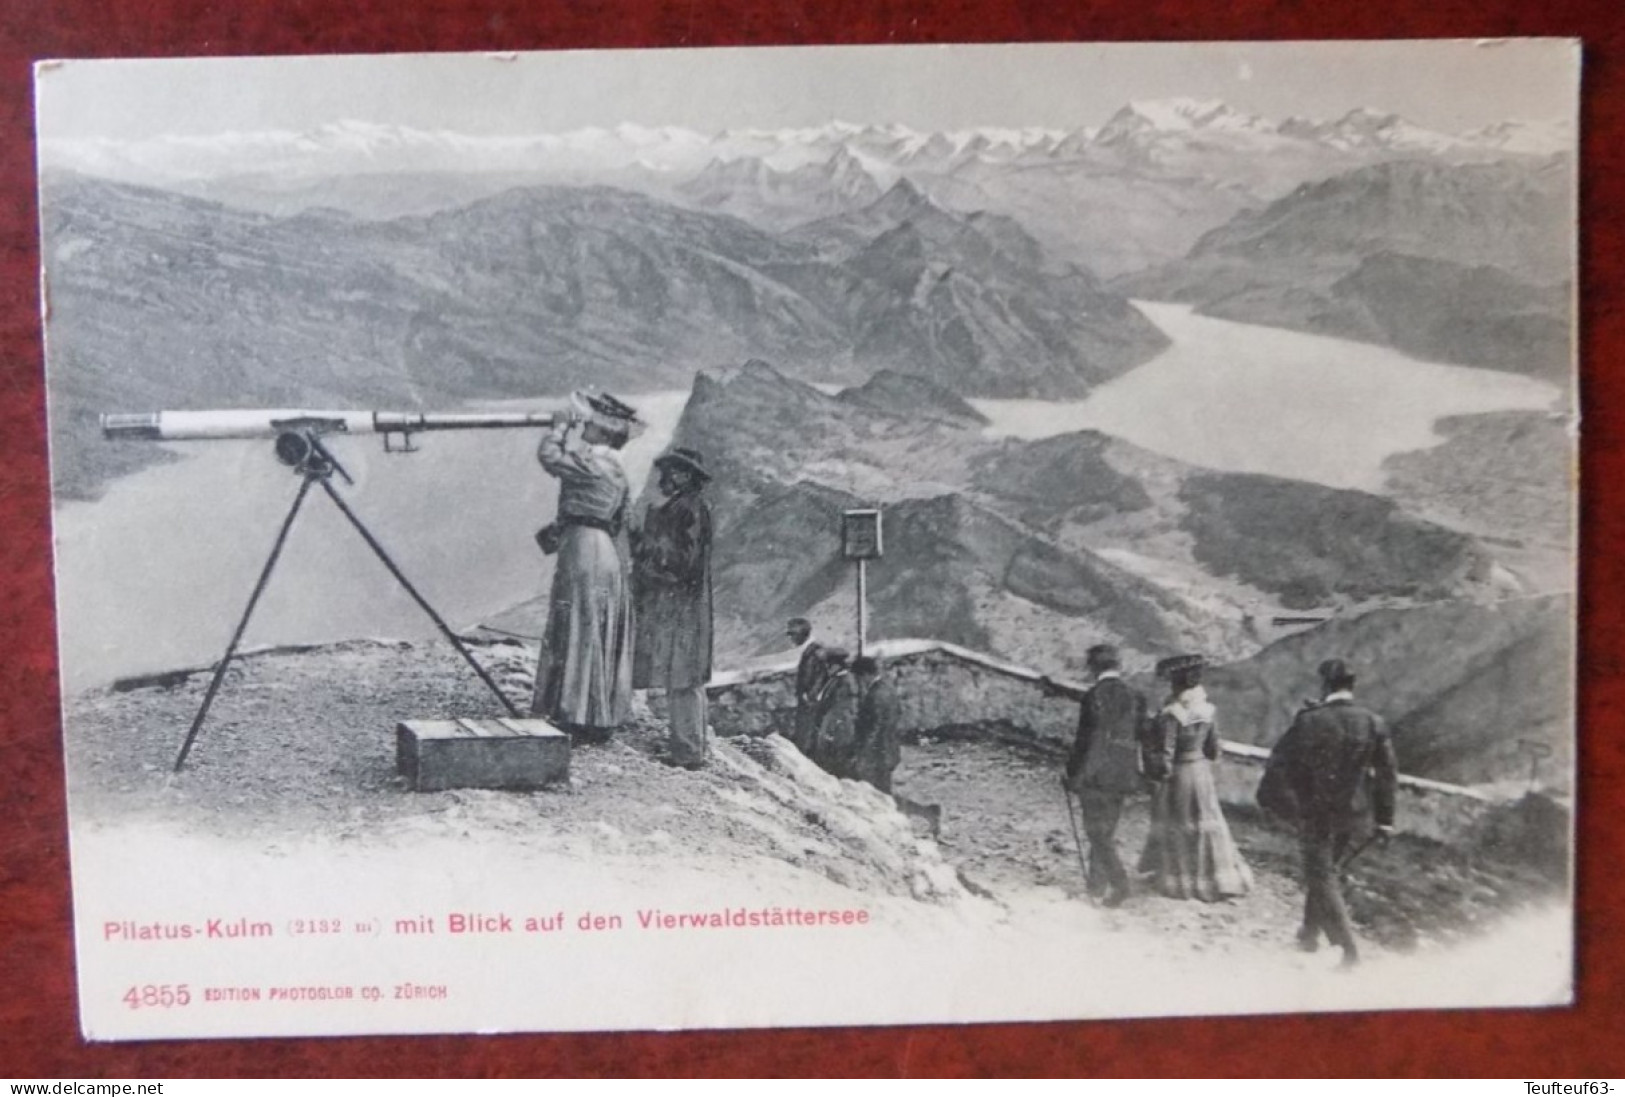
[190,426]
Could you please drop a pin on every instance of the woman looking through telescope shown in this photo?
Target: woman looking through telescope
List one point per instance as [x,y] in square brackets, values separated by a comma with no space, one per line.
[584,670]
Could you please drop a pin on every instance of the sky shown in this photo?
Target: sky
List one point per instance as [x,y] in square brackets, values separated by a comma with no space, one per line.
[1450,86]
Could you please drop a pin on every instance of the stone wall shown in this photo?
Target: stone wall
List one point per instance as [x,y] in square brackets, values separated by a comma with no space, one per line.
[1430,809]
[947,690]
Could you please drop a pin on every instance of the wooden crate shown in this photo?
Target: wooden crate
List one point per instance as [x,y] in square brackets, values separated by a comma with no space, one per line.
[491,753]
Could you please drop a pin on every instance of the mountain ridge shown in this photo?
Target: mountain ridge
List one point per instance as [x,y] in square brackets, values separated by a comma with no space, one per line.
[1469,264]
[1171,169]
[1027,549]
[670,147]
[164,300]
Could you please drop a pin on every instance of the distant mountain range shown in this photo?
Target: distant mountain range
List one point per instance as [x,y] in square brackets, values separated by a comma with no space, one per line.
[159,299]
[353,147]
[1165,170]
[749,189]
[1469,263]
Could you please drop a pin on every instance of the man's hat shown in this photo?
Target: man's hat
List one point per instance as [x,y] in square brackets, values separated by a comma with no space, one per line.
[1102,655]
[798,622]
[684,458]
[607,413]
[1174,664]
[1335,670]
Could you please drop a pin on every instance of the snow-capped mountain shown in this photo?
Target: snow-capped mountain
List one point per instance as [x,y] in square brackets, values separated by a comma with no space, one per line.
[1368,129]
[356,147]
[1171,116]
[749,188]
[1134,192]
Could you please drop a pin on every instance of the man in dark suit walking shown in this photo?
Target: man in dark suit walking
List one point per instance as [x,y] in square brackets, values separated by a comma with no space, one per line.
[1334,772]
[1103,769]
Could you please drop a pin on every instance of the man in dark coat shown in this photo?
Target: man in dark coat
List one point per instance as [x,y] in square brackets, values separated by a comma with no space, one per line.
[811,674]
[672,584]
[1334,772]
[1103,768]
[878,748]
[834,727]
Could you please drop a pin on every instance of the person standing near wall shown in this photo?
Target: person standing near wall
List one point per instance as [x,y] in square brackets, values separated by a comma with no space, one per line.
[877,748]
[811,674]
[1104,767]
[672,581]
[1334,771]
[835,715]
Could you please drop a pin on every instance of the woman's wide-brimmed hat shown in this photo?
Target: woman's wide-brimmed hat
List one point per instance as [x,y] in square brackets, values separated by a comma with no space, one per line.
[607,413]
[681,457]
[1174,664]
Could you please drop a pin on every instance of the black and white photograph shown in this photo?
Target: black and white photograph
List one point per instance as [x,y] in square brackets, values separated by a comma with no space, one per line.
[806,536]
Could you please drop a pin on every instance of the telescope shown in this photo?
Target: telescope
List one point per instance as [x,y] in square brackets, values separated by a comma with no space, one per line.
[194,426]
[297,437]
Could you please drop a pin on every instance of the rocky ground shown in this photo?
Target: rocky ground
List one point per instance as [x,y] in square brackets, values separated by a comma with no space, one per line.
[301,744]
[1004,824]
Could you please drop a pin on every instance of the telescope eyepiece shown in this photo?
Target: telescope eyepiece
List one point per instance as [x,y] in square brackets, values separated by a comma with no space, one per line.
[144,426]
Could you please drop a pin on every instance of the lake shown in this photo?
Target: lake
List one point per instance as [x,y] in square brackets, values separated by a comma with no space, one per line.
[1244,398]
[155,575]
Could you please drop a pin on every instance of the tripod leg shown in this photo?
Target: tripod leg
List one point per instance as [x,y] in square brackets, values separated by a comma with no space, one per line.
[236,637]
[372,542]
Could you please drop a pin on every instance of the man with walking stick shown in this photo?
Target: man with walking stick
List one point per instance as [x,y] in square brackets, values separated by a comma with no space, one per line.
[1103,768]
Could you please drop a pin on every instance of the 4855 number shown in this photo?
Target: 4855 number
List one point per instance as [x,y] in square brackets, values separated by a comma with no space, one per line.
[158,996]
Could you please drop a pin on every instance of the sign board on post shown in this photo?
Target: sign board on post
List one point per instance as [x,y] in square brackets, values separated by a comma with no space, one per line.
[861,541]
[860,535]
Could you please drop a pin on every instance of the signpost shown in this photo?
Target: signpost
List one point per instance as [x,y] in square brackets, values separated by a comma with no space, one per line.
[861,541]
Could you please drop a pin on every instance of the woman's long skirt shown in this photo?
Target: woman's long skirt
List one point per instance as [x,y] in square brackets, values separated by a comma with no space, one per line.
[1190,853]
[584,672]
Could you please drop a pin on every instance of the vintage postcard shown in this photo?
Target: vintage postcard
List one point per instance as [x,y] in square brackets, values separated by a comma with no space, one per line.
[783,537]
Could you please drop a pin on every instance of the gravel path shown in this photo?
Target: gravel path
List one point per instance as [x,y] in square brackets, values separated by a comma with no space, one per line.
[1004,823]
